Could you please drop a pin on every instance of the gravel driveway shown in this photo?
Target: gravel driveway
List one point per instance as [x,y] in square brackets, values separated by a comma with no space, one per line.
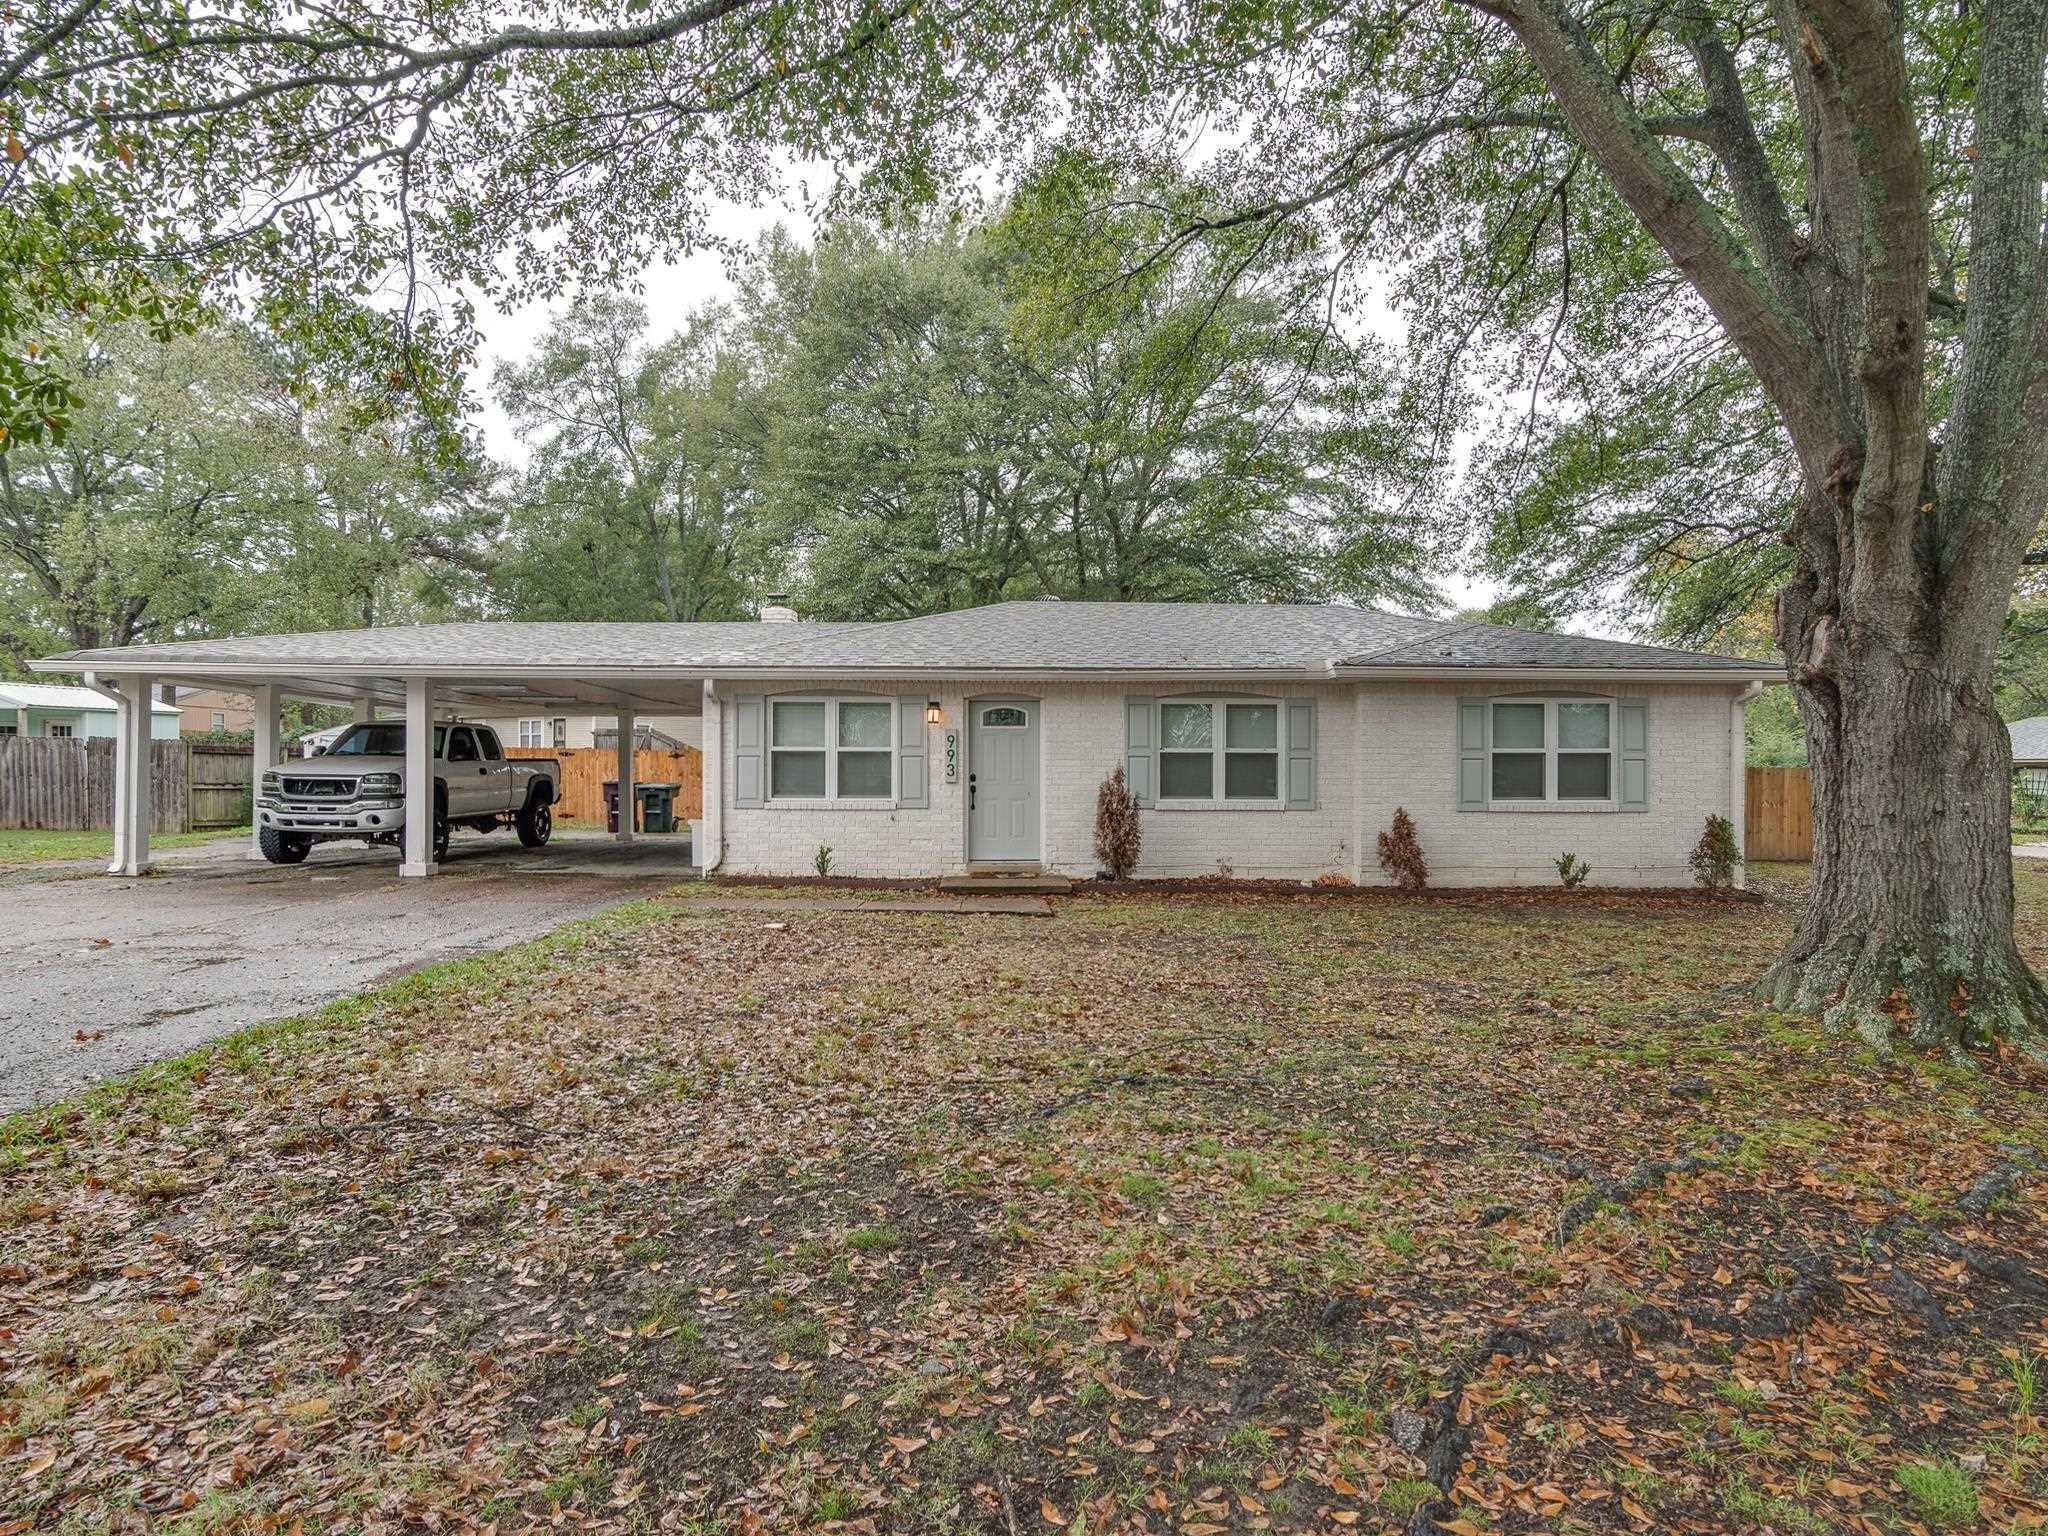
[99,975]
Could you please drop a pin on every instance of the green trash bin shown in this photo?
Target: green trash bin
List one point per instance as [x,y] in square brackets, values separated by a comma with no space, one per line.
[657,806]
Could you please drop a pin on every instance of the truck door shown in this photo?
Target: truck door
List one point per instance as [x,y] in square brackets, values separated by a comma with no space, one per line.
[469,777]
[506,785]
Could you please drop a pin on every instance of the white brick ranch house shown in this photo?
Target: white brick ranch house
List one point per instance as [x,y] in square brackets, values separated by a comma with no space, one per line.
[1263,741]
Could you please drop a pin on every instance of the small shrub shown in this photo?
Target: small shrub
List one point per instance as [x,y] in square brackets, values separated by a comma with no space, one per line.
[1714,856]
[1401,854]
[1117,834]
[1572,870]
[821,861]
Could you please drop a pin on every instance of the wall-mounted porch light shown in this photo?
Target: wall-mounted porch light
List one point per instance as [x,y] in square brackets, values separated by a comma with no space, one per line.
[933,715]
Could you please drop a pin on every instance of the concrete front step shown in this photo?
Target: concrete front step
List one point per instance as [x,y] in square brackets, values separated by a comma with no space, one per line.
[1006,885]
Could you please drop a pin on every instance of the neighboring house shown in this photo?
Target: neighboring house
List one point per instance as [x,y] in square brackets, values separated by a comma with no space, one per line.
[654,733]
[40,709]
[2030,754]
[1263,741]
[210,712]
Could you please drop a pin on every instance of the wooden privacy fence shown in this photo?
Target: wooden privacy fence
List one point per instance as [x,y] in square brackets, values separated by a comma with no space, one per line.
[219,785]
[586,771]
[1778,814]
[67,785]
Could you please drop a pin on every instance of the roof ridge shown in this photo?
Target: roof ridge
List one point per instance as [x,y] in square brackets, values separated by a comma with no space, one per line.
[1452,627]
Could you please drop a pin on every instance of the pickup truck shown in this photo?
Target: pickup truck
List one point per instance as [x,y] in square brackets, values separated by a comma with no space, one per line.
[356,790]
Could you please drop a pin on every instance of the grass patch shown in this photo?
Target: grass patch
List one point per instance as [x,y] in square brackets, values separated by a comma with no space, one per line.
[19,845]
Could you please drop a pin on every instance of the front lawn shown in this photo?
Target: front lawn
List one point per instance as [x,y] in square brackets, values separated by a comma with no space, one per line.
[19,845]
[1192,1214]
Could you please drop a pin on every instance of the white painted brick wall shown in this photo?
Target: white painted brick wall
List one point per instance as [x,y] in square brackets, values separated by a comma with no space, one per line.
[1408,750]
[1380,745]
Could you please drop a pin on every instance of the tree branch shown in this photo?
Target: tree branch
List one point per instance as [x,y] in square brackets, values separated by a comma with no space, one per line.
[1774,341]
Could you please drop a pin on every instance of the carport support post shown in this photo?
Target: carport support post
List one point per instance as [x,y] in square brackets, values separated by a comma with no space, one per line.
[264,700]
[131,777]
[419,777]
[626,794]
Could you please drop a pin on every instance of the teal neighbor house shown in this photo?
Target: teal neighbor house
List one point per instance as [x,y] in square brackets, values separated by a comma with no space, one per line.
[41,709]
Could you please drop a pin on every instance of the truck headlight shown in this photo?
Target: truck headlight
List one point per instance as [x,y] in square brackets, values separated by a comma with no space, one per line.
[381,783]
[271,782]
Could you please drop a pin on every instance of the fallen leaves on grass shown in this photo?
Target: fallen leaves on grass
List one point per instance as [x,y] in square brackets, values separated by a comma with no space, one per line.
[1192,1214]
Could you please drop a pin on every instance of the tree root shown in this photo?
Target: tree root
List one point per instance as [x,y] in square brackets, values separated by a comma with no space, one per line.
[1814,1290]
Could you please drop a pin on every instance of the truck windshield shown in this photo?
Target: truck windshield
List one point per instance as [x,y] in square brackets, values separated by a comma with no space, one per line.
[380,738]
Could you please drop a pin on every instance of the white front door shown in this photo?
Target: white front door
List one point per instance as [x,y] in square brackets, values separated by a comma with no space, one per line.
[1002,781]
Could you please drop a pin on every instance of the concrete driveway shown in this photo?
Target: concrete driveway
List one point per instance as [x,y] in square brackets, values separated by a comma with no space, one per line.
[99,975]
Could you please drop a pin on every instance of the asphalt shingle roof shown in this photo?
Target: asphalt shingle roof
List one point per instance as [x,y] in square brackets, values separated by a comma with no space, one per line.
[1037,636]
[2030,740]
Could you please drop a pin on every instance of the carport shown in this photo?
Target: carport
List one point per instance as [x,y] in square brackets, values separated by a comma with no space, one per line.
[424,674]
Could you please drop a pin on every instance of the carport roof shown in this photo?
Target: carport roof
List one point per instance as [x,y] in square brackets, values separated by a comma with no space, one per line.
[1012,637]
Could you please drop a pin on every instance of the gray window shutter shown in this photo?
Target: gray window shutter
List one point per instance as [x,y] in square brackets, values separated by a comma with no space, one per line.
[1301,754]
[1471,754]
[1140,751]
[1632,726]
[913,754]
[749,722]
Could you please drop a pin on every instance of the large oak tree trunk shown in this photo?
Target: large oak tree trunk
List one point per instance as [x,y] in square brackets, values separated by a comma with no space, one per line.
[1908,937]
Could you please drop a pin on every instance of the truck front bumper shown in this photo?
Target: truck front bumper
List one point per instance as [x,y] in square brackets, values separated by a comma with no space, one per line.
[356,818]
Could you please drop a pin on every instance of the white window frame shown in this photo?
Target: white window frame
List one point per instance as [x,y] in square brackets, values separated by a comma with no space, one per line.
[1551,751]
[530,728]
[831,749]
[558,732]
[220,720]
[60,730]
[1220,750]
[9,728]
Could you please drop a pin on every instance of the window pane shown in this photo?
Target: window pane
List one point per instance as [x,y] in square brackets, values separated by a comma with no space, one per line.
[1582,725]
[864,725]
[864,775]
[1251,776]
[1582,775]
[799,725]
[1005,717]
[1518,725]
[1518,775]
[1184,725]
[1251,725]
[1187,776]
[798,774]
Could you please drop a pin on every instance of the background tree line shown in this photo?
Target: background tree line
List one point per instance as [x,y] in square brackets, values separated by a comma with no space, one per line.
[885,422]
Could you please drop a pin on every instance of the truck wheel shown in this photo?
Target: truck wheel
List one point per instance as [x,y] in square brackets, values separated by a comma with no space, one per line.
[282,847]
[536,823]
[441,828]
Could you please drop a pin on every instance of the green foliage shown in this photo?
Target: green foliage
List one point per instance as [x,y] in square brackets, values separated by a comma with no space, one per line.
[955,415]
[1572,870]
[1775,736]
[821,861]
[1715,855]
[202,488]
[639,502]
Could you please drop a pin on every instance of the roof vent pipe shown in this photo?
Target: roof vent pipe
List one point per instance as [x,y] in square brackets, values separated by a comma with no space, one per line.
[776,609]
